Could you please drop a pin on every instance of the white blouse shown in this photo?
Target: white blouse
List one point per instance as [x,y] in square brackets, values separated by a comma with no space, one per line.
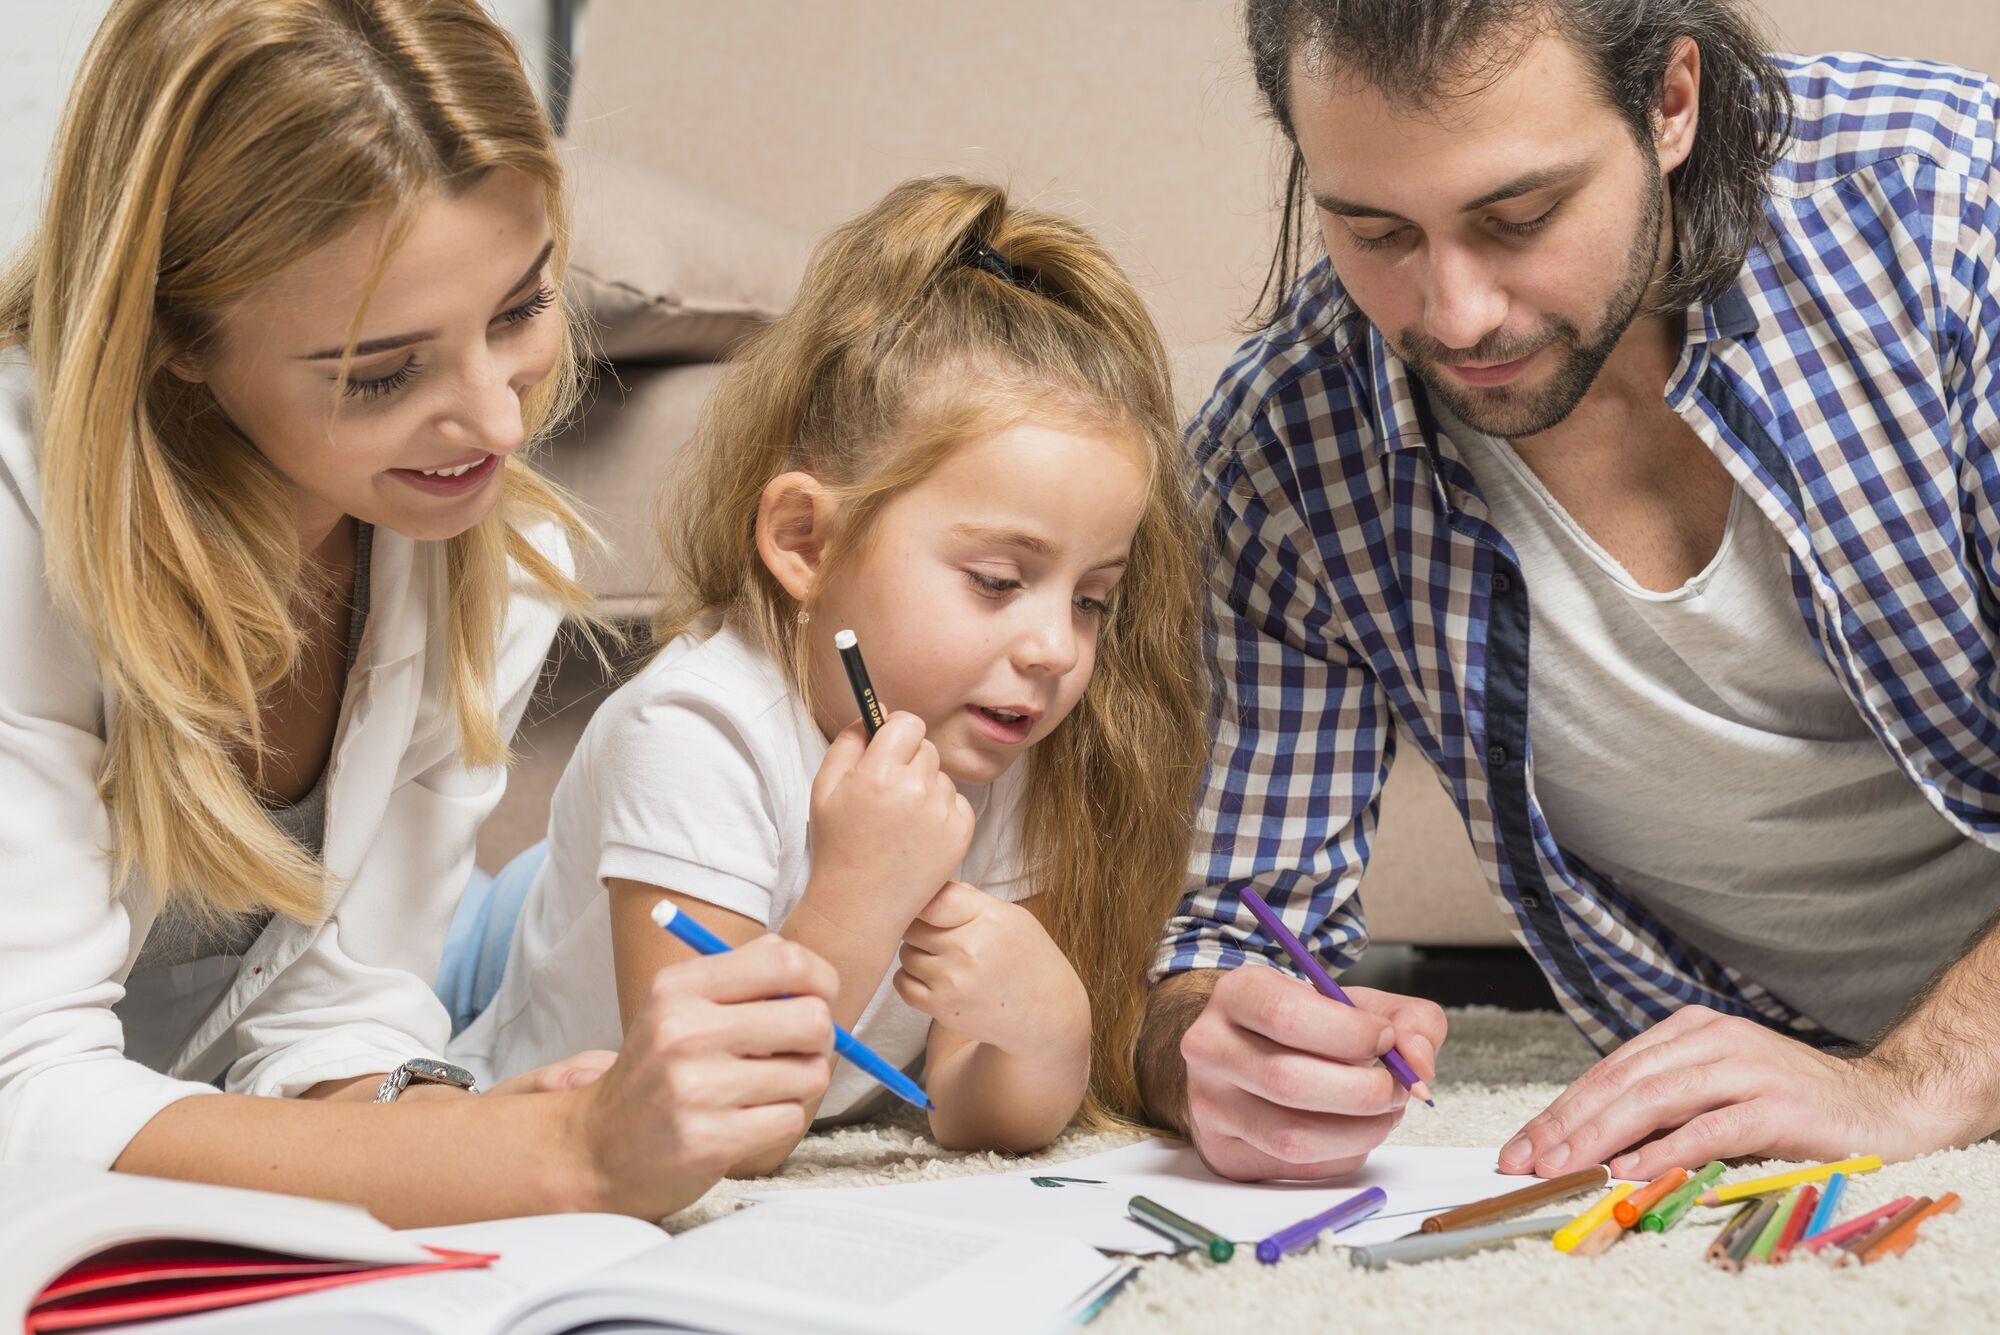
[344,997]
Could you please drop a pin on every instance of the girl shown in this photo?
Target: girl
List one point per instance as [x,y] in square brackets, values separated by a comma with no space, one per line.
[960,444]
[277,584]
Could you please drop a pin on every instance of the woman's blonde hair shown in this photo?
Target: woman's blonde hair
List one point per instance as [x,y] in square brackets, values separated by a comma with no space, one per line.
[206,146]
[897,349]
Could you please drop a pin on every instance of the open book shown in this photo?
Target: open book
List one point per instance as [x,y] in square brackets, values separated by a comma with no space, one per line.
[779,1267]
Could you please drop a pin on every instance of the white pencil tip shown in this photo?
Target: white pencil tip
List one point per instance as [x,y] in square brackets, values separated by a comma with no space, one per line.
[664,912]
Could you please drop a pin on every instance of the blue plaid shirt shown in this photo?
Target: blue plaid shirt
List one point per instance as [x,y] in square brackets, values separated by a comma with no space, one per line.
[1361,598]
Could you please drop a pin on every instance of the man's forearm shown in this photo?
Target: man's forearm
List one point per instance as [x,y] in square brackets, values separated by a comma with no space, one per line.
[1945,1049]
[1174,1004]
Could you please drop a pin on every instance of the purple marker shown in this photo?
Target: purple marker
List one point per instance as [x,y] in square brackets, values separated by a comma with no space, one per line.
[1322,980]
[1344,1215]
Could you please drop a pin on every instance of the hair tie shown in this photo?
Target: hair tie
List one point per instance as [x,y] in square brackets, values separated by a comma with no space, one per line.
[979,255]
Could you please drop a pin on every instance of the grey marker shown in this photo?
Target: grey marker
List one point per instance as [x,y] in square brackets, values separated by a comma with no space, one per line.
[1452,1242]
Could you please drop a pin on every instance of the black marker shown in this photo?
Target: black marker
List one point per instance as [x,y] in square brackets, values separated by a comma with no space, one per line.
[857,677]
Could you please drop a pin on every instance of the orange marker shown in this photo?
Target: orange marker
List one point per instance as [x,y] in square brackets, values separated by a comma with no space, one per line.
[1627,1211]
[1900,1239]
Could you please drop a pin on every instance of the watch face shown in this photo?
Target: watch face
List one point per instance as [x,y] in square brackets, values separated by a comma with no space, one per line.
[437,1072]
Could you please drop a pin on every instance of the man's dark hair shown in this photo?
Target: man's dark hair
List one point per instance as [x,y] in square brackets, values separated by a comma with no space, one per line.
[1423,53]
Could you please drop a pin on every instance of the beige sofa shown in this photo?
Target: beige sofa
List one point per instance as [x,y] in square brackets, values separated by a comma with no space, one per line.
[713,141]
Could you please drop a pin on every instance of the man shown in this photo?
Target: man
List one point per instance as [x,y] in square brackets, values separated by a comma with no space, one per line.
[1686,360]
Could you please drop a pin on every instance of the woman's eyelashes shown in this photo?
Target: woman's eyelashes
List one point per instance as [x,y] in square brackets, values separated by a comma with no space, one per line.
[375,387]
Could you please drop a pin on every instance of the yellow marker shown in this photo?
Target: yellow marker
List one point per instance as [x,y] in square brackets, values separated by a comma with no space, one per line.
[1762,1186]
[1579,1228]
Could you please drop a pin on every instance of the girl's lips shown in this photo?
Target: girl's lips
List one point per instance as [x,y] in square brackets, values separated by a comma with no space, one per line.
[1007,734]
[470,480]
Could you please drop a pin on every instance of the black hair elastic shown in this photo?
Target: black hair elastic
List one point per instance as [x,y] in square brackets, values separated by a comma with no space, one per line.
[979,255]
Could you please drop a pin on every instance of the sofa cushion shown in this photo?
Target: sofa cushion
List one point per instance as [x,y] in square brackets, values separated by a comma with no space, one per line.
[667,272]
[615,459]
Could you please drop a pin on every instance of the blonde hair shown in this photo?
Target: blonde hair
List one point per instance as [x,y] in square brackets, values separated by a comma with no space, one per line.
[895,351]
[206,146]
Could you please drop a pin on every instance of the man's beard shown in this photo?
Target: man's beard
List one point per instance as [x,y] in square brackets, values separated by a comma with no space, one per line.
[1510,412]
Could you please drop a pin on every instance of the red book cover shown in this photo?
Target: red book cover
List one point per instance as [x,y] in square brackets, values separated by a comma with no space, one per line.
[145,1280]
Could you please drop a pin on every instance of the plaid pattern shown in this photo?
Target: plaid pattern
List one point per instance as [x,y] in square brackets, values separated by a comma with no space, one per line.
[1360,599]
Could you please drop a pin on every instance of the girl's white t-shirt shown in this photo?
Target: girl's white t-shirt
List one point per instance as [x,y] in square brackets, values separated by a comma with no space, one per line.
[695,776]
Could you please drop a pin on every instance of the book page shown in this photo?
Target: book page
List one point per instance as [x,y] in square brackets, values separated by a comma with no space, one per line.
[783,1267]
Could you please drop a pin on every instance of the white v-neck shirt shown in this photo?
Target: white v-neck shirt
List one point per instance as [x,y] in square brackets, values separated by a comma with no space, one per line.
[695,776]
[1694,747]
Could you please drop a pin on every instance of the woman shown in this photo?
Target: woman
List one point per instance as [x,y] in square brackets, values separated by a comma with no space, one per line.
[277,587]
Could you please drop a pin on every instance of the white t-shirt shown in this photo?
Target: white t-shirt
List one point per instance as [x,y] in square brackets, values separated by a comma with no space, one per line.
[695,776]
[1694,747]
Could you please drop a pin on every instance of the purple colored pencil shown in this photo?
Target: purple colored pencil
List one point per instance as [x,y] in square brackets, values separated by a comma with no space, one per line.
[1323,980]
[1344,1215]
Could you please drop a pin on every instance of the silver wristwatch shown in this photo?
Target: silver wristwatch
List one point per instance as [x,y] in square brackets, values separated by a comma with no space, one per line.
[425,1071]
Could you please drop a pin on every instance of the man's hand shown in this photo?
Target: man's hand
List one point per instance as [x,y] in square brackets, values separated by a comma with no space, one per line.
[1285,1083]
[1722,1086]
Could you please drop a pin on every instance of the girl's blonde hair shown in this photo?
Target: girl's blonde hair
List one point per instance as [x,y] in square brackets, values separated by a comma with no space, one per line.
[896,350]
[206,146]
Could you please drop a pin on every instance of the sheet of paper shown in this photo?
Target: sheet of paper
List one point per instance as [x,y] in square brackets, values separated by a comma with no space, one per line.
[1420,1180]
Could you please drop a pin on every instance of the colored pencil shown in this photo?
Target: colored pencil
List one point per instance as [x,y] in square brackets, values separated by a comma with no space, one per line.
[1627,1211]
[1746,1236]
[1718,1246]
[1774,1228]
[1180,1229]
[1856,1248]
[1495,1208]
[872,717]
[1304,1233]
[1671,1210]
[1853,1228]
[1764,1186]
[1795,1227]
[1323,981]
[1905,1233]
[698,938]
[1829,1206]
[1599,1239]
[1418,1247]
[1579,1228]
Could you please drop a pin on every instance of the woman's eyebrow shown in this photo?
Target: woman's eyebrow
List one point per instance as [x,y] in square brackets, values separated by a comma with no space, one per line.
[370,347]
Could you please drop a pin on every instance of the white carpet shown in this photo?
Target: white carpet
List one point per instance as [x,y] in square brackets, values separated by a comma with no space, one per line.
[1500,1069]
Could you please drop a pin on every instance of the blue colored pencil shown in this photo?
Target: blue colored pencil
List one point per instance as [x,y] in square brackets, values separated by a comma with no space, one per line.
[696,937]
[1829,1206]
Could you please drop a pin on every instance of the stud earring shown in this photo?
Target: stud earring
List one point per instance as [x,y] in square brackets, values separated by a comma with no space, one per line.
[803,617]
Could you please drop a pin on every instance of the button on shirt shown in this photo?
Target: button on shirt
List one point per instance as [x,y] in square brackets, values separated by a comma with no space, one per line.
[1363,598]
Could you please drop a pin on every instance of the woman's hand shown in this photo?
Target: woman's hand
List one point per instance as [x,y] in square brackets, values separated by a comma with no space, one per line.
[723,1059]
[888,826]
[986,969]
[570,1073]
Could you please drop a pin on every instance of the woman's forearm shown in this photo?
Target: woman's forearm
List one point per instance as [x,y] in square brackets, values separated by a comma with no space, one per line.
[429,1161]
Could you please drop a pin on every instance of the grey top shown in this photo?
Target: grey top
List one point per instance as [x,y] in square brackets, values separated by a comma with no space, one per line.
[1694,747]
[181,937]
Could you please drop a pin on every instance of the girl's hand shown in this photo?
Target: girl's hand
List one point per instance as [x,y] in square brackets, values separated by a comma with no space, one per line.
[985,968]
[723,1059]
[572,1072]
[888,825]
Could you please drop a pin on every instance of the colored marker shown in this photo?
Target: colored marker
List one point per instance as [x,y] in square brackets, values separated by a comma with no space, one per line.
[872,717]
[1450,1242]
[698,938]
[1496,1208]
[1829,1206]
[1764,1186]
[1344,1215]
[1180,1229]
[1670,1211]
[1628,1211]
[1323,981]
[1581,1227]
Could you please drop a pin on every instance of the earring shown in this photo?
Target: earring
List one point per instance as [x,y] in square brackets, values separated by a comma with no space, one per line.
[803,617]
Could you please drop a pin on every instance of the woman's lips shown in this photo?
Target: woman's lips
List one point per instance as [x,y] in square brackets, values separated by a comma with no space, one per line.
[438,485]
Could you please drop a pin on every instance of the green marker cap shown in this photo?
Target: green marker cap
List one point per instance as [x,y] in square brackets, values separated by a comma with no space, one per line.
[1180,1229]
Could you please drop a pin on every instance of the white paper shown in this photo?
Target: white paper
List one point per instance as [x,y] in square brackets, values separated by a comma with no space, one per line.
[1421,1180]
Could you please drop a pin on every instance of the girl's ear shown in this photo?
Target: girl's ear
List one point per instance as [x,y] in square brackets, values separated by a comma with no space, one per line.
[795,522]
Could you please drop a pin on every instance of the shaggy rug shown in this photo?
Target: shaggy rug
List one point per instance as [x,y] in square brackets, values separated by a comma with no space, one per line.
[1501,1068]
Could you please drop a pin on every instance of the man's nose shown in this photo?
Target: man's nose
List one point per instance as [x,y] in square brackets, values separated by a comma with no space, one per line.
[1465,302]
